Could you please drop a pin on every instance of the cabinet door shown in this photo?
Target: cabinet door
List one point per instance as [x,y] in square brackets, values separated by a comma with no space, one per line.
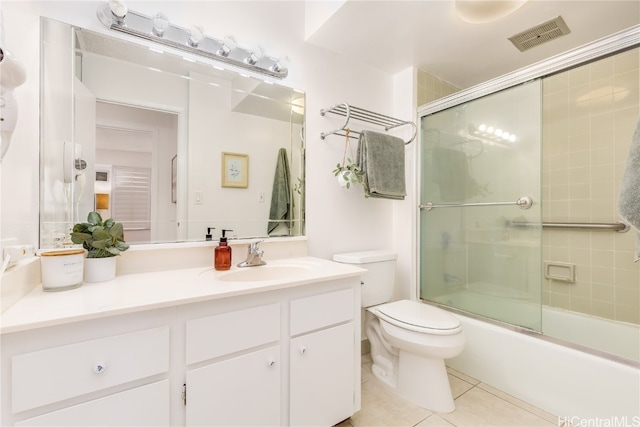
[322,377]
[143,406]
[244,390]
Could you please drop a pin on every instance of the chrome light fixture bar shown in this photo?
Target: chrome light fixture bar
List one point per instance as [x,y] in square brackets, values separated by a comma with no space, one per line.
[115,16]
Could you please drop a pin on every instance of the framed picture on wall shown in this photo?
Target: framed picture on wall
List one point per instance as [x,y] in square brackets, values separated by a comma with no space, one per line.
[235,170]
[174,178]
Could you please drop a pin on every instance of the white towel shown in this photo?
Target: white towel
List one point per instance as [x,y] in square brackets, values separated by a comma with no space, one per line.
[629,199]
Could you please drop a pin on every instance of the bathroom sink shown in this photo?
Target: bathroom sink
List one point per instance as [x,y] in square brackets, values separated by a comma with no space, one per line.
[266,273]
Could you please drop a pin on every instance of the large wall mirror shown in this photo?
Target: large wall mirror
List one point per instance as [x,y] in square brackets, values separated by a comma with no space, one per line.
[169,146]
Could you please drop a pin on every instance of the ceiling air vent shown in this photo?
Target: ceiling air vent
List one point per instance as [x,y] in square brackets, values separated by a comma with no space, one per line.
[539,34]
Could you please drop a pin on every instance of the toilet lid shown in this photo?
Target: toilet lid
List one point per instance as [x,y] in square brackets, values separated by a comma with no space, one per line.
[420,315]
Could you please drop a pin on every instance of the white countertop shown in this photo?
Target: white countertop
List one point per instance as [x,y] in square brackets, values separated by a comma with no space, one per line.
[137,292]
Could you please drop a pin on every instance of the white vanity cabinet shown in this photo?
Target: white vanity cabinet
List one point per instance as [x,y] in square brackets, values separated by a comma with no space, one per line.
[239,382]
[289,355]
[292,362]
[322,353]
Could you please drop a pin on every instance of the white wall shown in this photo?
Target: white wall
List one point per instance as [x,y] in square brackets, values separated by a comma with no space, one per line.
[19,178]
[338,220]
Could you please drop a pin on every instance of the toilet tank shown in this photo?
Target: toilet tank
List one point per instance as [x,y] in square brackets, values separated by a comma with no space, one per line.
[377,286]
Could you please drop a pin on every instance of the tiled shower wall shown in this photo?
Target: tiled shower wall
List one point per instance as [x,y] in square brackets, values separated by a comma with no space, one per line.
[589,116]
[431,88]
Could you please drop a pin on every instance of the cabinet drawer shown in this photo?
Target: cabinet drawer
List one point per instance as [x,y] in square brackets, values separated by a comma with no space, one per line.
[320,311]
[55,374]
[222,334]
[143,406]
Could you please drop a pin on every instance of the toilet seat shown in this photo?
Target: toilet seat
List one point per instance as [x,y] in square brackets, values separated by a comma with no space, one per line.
[419,317]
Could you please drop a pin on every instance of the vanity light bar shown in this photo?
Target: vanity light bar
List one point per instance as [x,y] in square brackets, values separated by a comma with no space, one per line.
[139,25]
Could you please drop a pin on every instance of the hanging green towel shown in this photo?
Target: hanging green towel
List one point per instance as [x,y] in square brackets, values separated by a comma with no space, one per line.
[281,194]
[381,159]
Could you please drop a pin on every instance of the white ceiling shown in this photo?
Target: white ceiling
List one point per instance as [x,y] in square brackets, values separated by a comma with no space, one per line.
[428,34]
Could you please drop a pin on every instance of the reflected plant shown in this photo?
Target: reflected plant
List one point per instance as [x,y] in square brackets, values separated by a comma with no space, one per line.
[298,186]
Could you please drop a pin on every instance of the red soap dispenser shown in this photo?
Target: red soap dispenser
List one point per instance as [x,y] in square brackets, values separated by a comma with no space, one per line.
[222,254]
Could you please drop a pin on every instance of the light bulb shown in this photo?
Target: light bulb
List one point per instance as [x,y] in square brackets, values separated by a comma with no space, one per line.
[497,132]
[197,33]
[505,136]
[482,127]
[254,56]
[512,138]
[118,10]
[490,130]
[160,24]
[228,44]
[281,64]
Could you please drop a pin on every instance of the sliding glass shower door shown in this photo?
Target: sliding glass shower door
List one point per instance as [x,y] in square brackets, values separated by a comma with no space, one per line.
[480,234]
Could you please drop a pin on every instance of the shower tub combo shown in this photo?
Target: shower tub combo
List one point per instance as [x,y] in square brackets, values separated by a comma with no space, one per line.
[495,164]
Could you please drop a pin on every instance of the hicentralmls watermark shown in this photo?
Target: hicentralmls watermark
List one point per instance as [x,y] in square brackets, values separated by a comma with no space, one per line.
[575,421]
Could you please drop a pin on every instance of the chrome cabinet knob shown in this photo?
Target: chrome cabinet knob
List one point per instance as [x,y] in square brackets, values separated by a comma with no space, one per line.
[99,367]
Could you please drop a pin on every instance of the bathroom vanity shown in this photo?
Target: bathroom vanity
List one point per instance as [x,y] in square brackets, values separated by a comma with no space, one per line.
[271,345]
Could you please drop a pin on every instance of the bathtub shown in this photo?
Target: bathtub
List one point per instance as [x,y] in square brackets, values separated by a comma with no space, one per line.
[610,336]
[575,385]
[618,338]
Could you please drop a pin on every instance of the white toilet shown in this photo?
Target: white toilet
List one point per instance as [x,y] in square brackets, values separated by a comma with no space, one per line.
[409,339]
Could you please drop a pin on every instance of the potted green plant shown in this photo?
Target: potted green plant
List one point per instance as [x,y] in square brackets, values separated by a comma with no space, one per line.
[103,241]
[348,173]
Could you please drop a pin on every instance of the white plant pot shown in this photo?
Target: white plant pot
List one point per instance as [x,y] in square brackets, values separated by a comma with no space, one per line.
[341,180]
[99,269]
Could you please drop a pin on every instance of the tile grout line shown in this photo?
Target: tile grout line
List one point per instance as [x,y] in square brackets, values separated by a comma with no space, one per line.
[512,403]
[523,407]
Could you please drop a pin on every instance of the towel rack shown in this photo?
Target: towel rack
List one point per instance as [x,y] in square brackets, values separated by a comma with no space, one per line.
[357,113]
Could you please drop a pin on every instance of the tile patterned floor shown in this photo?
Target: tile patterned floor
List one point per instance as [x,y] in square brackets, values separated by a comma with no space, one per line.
[477,404]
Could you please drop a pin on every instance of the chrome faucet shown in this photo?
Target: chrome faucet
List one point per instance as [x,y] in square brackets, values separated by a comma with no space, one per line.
[254,257]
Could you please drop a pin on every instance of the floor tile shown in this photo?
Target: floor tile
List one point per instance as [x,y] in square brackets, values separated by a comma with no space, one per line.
[477,404]
[524,405]
[382,407]
[458,386]
[462,376]
[366,374]
[478,407]
[434,420]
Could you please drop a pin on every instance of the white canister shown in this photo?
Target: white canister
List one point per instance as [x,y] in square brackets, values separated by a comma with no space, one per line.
[62,270]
